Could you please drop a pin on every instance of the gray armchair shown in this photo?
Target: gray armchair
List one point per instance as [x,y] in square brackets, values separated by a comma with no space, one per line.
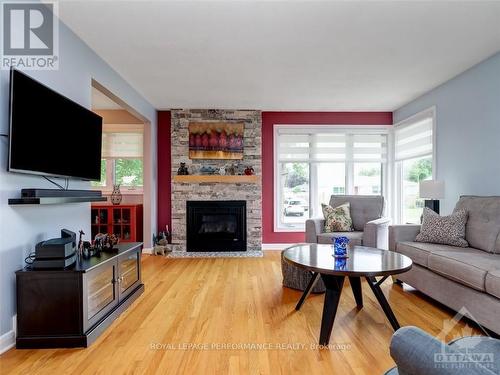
[416,352]
[370,228]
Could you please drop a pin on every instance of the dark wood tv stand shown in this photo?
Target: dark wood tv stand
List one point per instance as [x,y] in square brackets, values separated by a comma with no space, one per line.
[72,307]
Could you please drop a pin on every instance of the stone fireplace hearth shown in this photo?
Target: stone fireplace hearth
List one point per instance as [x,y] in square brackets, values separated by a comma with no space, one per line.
[248,191]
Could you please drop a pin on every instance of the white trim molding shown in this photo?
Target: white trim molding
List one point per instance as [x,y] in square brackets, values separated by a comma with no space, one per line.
[8,340]
[147,250]
[276,246]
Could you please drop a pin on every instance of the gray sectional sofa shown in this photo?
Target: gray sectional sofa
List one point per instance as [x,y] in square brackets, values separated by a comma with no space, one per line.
[417,352]
[455,276]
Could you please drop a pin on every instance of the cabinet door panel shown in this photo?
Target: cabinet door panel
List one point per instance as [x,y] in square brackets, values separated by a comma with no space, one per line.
[100,294]
[48,303]
[129,272]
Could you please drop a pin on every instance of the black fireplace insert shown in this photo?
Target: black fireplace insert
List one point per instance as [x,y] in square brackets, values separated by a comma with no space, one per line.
[216,226]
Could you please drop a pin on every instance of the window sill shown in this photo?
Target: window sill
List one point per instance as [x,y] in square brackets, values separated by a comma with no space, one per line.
[124,192]
[289,229]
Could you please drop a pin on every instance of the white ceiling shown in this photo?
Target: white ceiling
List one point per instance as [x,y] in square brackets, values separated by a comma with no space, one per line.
[286,55]
[101,101]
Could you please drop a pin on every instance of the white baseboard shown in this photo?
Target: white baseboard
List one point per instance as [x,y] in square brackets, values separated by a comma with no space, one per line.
[148,250]
[276,246]
[8,340]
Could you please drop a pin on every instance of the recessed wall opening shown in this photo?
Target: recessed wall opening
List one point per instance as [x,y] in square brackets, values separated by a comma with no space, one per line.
[126,162]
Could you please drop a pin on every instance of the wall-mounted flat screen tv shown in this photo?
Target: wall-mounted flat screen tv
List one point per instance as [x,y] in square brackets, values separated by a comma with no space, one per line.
[51,135]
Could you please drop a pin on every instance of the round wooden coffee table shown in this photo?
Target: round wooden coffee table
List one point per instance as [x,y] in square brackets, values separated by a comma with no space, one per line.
[367,262]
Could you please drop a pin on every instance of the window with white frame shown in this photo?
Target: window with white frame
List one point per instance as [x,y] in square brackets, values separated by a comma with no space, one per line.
[414,159]
[313,163]
[122,158]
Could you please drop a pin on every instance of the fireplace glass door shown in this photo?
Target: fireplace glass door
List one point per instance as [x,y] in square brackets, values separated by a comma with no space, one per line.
[216,226]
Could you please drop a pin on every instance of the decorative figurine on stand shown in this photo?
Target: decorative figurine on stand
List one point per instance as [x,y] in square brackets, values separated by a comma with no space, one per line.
[208,170]
[87,248]
[80,245]
[160,247]
[116,195]
[98,244]
[231,170]
[168,235]
[249,171]
[113,240]
[105,242]
[183,170]
[161,242]
[240,169]
[84,250]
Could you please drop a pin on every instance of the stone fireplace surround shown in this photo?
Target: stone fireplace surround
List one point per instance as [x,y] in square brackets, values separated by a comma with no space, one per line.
[210,191]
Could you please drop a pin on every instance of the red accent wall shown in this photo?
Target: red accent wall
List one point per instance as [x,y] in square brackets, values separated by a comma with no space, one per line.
[269,119]
[164,176]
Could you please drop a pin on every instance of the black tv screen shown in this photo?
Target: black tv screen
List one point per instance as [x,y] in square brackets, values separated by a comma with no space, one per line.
[51,135]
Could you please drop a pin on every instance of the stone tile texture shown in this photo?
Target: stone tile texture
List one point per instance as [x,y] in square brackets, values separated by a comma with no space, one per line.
[250,192]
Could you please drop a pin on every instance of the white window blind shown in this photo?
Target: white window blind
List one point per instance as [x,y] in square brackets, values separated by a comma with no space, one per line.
[369,148]
[330,147]
[122,145]
[414,139]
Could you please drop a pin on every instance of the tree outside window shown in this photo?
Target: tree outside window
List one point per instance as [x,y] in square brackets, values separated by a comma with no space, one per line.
[420,170]
[129,172]
[414,171]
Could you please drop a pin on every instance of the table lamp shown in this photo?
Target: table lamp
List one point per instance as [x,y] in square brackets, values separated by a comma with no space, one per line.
[432,191]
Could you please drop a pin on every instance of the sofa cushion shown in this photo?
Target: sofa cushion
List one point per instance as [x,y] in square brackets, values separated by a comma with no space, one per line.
[492,283]
[446,230]
[419,252]
[479,345]
[483,226]
[355,238]
[364,208]
[337,219]
[467,266]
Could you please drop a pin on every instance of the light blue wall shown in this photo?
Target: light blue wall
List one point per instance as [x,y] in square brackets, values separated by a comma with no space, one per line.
[468,131]
[22,227]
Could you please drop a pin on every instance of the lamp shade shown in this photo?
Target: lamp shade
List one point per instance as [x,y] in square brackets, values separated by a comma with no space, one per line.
[431,189]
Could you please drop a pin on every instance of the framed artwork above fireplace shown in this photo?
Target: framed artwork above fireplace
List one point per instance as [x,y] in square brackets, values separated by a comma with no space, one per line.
[216,140]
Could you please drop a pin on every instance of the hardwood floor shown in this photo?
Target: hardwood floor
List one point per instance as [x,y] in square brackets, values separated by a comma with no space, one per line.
[235,301]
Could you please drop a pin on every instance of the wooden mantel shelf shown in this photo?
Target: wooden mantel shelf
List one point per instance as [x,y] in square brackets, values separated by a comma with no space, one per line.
[217,178]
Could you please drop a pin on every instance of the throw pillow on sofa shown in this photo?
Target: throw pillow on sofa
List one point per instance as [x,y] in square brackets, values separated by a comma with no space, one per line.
[337,219]
[445,230]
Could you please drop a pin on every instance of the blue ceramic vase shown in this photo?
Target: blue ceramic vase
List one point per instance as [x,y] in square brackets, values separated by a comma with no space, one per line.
[340,246]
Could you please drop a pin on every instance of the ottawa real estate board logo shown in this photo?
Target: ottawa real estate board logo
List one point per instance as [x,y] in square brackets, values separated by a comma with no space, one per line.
[30,36]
